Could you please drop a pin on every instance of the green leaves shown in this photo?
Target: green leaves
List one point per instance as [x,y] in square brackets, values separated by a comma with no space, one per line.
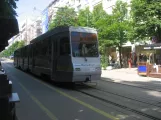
[85,18]
[146,15]
[64,17]
[112,28]
[7,8]
[12,48]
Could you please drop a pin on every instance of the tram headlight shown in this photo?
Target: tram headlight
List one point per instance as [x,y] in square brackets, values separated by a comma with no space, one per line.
[77,69]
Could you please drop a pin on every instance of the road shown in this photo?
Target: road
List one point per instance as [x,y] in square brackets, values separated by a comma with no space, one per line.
[43,100]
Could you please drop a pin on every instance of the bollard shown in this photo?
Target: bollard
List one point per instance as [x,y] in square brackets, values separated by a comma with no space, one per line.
[10,87]
[4,99]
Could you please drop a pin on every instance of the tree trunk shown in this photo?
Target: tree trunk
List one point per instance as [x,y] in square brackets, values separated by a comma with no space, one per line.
[120,51]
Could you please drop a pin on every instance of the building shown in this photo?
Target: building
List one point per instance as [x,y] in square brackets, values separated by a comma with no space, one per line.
[32,30]
[29,30]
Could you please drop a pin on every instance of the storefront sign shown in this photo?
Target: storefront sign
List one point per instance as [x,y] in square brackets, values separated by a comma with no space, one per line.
[159,47]
[152,47]
[147,48]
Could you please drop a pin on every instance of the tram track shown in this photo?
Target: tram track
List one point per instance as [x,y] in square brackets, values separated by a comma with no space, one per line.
[135,86]
[120,105]
[130,98]
[117,104]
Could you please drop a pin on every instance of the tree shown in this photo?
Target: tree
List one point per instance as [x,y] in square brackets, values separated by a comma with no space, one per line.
[7,8]
[21,44]
[146,16]
[120,25]
[85,18]
[101,21]
[98,14]
[12,48]
[64,17]
[113,28]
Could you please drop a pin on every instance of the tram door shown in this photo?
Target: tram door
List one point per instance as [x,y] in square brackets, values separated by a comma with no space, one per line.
[54,57]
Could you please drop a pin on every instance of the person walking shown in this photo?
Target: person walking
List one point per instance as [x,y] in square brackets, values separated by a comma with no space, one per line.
[129,62]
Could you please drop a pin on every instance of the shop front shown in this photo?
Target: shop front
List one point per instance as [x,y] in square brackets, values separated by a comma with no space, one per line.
[113,55]
[149,60]
[126,54]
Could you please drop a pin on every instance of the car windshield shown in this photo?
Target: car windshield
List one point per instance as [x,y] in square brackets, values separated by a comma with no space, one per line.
[84,44]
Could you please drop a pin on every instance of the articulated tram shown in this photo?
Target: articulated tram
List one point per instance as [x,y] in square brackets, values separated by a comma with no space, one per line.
[66,54]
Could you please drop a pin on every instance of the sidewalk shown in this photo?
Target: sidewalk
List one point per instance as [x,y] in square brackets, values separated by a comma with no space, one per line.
[130,77]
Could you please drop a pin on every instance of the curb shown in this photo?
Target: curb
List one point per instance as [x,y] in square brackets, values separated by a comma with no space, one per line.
[127,84]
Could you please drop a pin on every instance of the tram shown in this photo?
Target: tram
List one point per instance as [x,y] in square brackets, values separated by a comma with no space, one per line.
[66,54]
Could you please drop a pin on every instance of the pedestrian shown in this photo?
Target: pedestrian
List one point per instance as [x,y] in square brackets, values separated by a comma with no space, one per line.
[140,57]
[129,62]
[135,59]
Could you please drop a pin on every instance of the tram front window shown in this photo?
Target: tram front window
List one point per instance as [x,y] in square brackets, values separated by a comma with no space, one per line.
[84,44]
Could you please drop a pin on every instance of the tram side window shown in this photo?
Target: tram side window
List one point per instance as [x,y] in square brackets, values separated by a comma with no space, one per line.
[44,48]
[15,54]
[30,51]
[49,47]
[21,52]
[64,46]
[25,52]
[36,50]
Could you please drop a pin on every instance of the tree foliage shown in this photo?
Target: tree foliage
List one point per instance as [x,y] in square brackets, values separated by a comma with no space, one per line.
[85,18]
[12,48]
[7,8]
[113,28]
[120,23]
[64,17]
[146,15]
[98,14]
[102,22]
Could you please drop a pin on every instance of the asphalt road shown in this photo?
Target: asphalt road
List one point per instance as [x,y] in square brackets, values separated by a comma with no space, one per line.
[42,100]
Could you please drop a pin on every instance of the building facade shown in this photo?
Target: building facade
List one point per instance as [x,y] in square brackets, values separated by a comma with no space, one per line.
[29,30]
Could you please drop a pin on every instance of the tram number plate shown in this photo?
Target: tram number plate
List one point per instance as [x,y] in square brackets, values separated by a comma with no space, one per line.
[92,69]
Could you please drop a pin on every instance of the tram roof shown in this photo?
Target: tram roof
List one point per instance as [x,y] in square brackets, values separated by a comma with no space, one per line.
[58,30]
[49,33]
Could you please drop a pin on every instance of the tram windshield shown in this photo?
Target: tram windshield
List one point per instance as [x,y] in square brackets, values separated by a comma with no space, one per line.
[84,44]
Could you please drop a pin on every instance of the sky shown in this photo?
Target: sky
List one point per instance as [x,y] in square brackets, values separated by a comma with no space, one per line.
[25,9]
